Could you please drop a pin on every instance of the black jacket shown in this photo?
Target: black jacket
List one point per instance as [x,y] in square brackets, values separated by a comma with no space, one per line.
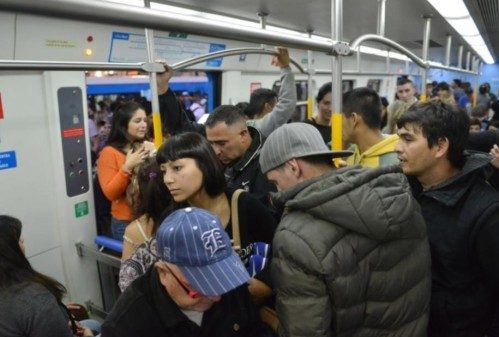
[246,173]
[462,216]
[146,310]
[174,118]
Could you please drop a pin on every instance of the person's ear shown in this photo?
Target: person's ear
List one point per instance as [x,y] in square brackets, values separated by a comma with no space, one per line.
[294,167]
[441,147]
[355,117]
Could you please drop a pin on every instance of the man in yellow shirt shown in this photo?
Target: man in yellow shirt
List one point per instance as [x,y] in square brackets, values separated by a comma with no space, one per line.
[361,129]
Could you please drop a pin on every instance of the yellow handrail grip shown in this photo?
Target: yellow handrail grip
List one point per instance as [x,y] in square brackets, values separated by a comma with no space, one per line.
[336,134]
[310,107]
[158,134]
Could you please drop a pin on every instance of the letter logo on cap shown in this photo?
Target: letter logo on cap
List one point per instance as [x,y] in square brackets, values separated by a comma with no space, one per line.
[213,240]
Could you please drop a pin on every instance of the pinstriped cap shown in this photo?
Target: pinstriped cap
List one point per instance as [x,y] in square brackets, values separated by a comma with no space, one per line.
[294,140]
[194,240]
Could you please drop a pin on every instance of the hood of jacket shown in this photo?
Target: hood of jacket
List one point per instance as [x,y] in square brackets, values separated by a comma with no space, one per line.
[387,145]
[376,203]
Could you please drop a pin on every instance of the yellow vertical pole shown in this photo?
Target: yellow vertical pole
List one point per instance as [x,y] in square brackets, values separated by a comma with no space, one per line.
[336,134]
[310,107]
[158,134]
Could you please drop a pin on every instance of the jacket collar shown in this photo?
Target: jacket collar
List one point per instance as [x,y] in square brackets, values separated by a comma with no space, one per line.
[252,152]
[450,191]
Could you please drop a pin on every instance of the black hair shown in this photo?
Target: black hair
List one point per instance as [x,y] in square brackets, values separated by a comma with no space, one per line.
[494,123]
[243,107]
[325,89]
[468,91]
[482,89]
[193,145]
[118,137]
[438,120]
[475,121]
[384,101]
[458,82]
[443,86]
[404,80]
[15,268]
[153,197]
[228,114]
[365,102]
[257,101]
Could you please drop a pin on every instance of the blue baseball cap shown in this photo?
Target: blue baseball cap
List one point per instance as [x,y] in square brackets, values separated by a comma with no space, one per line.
[194,240]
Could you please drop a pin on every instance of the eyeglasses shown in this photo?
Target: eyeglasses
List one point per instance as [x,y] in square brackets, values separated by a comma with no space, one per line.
[190,293]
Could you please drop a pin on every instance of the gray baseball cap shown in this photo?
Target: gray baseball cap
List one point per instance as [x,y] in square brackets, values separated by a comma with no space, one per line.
[294,140]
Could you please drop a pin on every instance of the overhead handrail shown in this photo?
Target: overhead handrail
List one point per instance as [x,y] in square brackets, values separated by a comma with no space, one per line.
[230,52]
[70,65]
[133,16]
[356,43]
[148,67]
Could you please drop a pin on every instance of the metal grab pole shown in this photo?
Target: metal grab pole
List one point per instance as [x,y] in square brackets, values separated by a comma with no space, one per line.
[310,93]
[426,45]
[156,116]
[475,89]
[336,116]
[447,50]
[263,23]
[460,57]
[381,17]
[468,60]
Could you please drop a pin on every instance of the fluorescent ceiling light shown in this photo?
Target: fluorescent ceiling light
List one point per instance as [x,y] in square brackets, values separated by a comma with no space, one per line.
[137,3]
[450,9]
[458,16]
[465,26]
[250,25]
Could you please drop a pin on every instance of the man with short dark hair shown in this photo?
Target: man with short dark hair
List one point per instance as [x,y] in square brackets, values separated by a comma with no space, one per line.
[361,127]
[238,148]
[197,288]
[406,91]
[462,215]
[350,255]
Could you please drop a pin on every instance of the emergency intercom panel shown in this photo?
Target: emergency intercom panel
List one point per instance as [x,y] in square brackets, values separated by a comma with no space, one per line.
[73,140]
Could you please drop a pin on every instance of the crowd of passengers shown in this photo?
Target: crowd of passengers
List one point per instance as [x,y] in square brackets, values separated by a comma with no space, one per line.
[251,226]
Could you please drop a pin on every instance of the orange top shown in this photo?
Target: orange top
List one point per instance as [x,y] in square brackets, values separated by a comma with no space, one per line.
[114,181]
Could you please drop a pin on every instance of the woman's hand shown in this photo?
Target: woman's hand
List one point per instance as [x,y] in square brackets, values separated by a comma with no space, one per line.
[135,158]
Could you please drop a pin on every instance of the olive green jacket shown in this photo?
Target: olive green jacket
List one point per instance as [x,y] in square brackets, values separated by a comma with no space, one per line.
[351,257]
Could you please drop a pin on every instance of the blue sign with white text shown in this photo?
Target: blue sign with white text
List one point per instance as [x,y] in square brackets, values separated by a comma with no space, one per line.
[8,160]
[218,61]
[121,36]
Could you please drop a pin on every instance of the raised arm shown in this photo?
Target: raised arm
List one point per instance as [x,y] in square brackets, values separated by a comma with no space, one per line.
[286,102]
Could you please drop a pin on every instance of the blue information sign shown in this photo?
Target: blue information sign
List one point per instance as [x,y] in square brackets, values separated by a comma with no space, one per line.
[8,160]
[218,61]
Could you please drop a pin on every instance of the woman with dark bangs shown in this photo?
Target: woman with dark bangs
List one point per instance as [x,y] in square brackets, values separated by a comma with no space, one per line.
[194,176]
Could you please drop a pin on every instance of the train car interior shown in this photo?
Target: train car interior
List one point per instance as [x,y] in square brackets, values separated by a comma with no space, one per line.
[62,60]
